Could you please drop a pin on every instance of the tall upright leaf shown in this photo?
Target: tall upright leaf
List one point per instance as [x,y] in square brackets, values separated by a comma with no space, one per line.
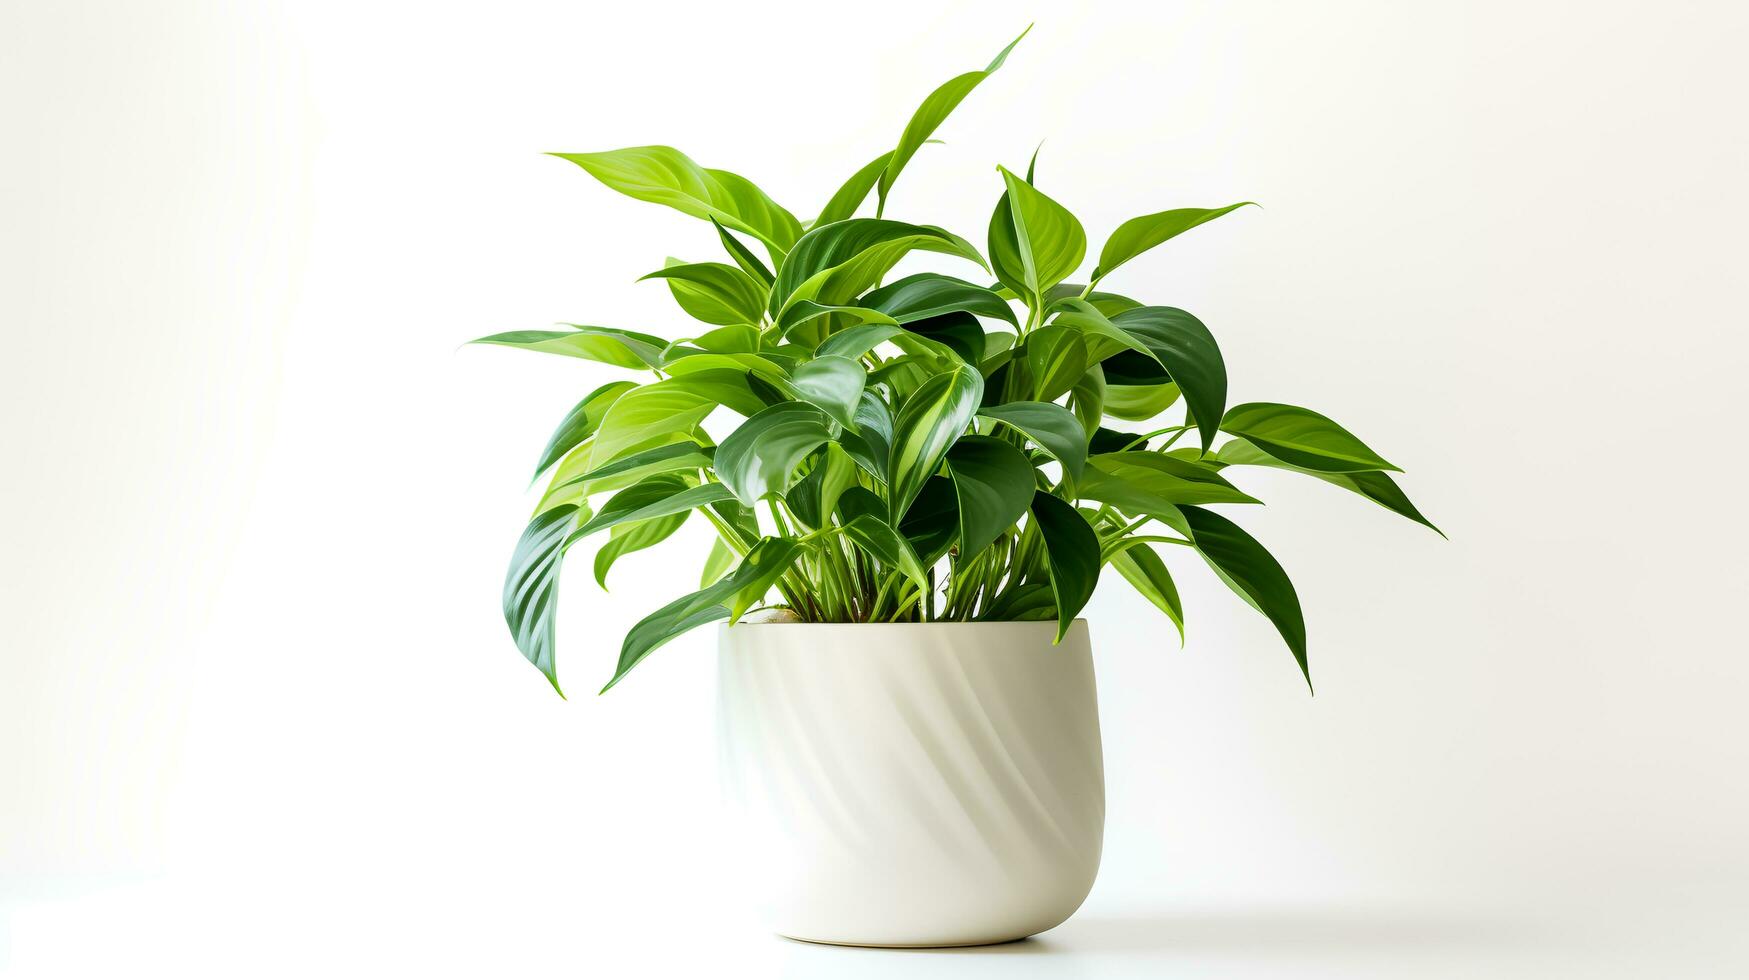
[933,418]
[1048,241]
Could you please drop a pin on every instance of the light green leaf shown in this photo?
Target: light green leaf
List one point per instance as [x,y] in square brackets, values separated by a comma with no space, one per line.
[743,256]
[1087,400]
[854,192]
[580,423]
[832,383]
[656,496]
[761,456]
[1056,358]
[1375,486]
[932,419]
[641,417]
[717,563]
[1139,403]
[671,458]
[1053,428]
[1137,235]
[762,567]
[664,175]
[1103,336]
[1072,552]
[1168,478]
[806,310]
[1302,437]
[531,588]
[714,292]
[994,482]
[858,340]
[1048,240]
[871,442]
[621,348]
[1254,574]
[930,115]
[627,538]
[1144,570]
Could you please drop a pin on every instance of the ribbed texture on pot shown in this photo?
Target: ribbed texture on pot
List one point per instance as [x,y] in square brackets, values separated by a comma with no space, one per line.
[913,785]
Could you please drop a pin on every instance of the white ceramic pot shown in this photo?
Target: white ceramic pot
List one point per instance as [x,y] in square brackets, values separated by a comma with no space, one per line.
[936,784]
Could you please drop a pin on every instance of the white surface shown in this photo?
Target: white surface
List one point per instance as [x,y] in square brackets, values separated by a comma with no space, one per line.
[911,784]
[256,706]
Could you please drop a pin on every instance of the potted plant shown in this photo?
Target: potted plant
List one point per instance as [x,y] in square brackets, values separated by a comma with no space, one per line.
[915,484]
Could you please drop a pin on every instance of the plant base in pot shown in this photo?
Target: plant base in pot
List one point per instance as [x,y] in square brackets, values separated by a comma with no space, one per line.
[916,784]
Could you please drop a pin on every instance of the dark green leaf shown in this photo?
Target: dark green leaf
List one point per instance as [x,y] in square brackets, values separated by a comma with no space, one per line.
[994,483]
[928,294]
[871,443]
[815,495]
[1053,428]
[1186,349]
[933,522]
[531,588]
[1254,574]
[878,538]
[1072,550]
[1168,478]
[1375,486]
[580,423]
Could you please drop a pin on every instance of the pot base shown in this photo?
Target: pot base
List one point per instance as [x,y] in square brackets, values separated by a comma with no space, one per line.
[969,945]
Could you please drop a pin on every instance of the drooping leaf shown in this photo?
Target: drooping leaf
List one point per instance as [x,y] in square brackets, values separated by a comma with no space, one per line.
[621,348]
[653,497]
[664,175]
[935,415]
[531,587]
[804,311]
[714,292]
[1168,478]
[1139,403]
[1186,349]
[627,538]
[1048,241]
[1375,486]
[1103,336]
[1254,574]
[762,566]
[1302,437]
[642,416]
[1053,428]
[930,115]
[580,423]
[929,294]
[1144,570]
[1072,552]
[994,483]
[890,548]
[671,458]
[743,256]
[762,455]
[1137,235]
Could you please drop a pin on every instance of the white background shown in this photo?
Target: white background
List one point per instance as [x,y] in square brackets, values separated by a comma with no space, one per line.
[258,713]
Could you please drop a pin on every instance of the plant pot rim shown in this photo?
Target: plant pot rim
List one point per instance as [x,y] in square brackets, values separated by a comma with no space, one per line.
[1040,623]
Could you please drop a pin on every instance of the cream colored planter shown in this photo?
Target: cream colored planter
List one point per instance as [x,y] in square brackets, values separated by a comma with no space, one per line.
[935,784]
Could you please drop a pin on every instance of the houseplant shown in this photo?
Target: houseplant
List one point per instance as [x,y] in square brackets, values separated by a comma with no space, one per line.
[925,477]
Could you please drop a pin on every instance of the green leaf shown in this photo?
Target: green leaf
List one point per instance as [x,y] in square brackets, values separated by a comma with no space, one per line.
[1072,552]
[835,263]
[1056,357]
[959,333]
[1053,428]
[928,294]
[930,115]
[815,495]
[1087,401]
[714,292]
[858,340]
[932,522]
[1103,336]
[1144,570]
[806,310]
[1048,240]
[854,192]
[717,563]
[1254,574]
[627,538]
[832,383]
[1184,347]
[531,588]
[1137,235]
[1168,478]
[656,496]
[743,256]
[671,458]
[664,175]
[932,419]
[1028,602]
[580,423]
[641,417]
[870,444]
[1139,403]
[761,456]
[1374,486]
[878,538]
[994,483]
[1302,437]
[621,348]
[762,567]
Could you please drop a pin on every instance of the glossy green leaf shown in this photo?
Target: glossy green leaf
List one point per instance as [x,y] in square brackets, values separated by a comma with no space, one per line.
[928,294]
[1137,235]
[1028,602]
[1301,437]
[813,498]
[855,190]
[1072,552]
[959,333]
[1048,241]
[641,417]
[888,546]
[743,256]
[627,538]
[832,383]
[580,423]
[664,175]
[935,415]
[1139,403]
[805,311]
[994,483]
[717,563]
[932,522]
[671,458]
[1184,347]
[1087,401]
[835,263]
[762,455]
[1176,481]
[1144,570]
[1052,428]
[930,115]
[1375,486]
[1056,359]
[531,588]
[714,292]
[871,441]
[1254,574]
[653,497]
[762,567]
[621,348]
